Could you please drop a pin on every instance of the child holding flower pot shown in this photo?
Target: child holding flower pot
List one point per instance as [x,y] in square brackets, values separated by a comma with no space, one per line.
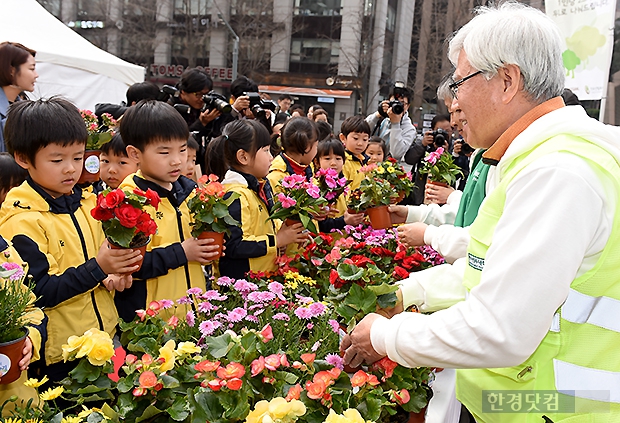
[10,260]
[156,137]
[48,220]
[242,158]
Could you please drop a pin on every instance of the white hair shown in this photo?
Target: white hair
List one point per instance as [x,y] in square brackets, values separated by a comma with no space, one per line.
[443,90]
[514,34]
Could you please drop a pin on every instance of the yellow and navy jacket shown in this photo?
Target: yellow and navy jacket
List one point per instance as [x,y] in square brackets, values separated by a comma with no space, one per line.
[251,246]
[165,274]
[281,168]
[33,319]
[59,239]
[351,168]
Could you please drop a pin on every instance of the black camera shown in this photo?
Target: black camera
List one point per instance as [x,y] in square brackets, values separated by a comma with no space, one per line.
[258,105]
[440,137]
[466,149]
[215,101]
[397,108]
[166,92]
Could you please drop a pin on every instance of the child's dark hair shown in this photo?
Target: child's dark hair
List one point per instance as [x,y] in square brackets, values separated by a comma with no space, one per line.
[192,143]
[296,106]
[378,140]
[242,134]
[142,91]
[33,125]
[115,146]
[324,129]
[11,174]
[355,124]
[150,121]
[298,134]
[326,147]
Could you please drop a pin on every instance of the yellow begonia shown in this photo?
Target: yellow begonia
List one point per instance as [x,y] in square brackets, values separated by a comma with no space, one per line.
[95,344]
[73,344]
[187,348]
[167,354]
[350,415]
[277,410]
[34,383]
[71,420]
[102,349]
[51,394]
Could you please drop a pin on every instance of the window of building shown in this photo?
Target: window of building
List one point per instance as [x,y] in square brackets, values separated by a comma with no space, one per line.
[192,7]
[390,24]
[321,8]
[190,52]
[52,6]
[369,7]
[251,7]
[315,51]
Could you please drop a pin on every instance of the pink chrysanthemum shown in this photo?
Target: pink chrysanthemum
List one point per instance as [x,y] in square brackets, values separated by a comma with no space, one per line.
[261,296]
[303,313]
[208,327]
[190,318]
[281,316]
[236,315]
[334,324]
[225,281]
[335,360]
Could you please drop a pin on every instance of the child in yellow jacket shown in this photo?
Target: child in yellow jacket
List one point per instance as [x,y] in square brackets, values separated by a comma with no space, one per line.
[241,157]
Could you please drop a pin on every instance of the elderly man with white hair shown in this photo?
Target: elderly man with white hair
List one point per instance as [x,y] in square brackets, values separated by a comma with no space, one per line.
[539,332]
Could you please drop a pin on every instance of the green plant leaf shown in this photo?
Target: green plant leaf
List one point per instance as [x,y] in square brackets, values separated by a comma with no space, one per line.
[350,272]
[387,300]
[169,382]
[125,384]
[151,411]
[179,410]
[384,288]
[363,300]
[94,417]
[85,371]
[117,233]
[205,407]
[289,378]
[219,345]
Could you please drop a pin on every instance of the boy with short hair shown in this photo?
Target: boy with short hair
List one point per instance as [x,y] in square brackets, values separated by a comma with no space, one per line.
[354,134]
[115,164]
[192,152]
[156,136]
[48,220]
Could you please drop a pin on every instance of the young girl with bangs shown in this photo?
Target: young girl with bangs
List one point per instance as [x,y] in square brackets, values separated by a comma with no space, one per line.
[241,159]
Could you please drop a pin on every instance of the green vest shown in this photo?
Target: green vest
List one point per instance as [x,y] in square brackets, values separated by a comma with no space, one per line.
[577,364]
[473,193]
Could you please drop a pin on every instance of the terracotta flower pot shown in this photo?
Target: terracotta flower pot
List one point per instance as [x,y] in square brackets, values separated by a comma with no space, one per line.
[218,239]
[290,221]
[10,354]
[141,247]
[440,184]
[379,217]
[90,168]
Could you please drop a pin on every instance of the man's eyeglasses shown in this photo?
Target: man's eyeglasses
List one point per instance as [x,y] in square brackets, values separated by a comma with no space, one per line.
[454,87]
[200,95]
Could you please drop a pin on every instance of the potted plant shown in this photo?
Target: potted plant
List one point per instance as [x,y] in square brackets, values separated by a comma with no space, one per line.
[331,185]
[97,136]
[440,168]
[394,173]
[16,298]
[209,211]
[301,201]
[377,195]
[125,222]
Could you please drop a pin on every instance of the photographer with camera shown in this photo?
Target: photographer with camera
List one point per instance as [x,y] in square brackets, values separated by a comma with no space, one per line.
[391,121]
[193,86]
[138,91]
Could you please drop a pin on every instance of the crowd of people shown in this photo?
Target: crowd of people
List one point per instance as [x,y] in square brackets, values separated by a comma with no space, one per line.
[529,234]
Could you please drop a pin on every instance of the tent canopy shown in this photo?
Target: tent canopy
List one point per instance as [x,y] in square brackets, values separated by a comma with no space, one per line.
[67,64]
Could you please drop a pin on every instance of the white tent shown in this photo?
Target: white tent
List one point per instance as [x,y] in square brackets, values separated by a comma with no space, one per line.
[67,64]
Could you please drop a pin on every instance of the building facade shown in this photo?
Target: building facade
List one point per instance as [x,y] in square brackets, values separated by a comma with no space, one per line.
[342,54]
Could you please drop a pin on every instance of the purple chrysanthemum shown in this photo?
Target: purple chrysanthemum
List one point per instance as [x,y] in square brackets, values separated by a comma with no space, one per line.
[335,360]
[194,291]
[165,304]
[206,307]
[213,295]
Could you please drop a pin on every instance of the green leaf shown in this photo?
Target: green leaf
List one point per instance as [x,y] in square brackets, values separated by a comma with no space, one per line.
[384,288]
[169,382]
[125,384]
[387,300]
[347,312]
[363,300]
[85,371]
[94,417]
[220,210]
[179,410]
[151,411]
[119,234]
[370,409]
[349,272]
[57,418]
[219,345]
[109,412]
[205,406]
[289,378]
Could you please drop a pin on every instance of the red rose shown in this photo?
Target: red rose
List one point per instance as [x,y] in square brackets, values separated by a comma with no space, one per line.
[128,215]
[99,213]
[153,198]
[146,224]
[114,198]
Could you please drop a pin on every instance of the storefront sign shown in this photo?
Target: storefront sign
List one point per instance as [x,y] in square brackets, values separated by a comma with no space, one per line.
[176,71]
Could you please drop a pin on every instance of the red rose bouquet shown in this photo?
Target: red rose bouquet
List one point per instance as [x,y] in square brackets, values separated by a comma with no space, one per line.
[125,223]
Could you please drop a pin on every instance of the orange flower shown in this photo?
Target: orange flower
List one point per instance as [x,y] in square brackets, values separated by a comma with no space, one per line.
[206,366]
[334,372]
[315,390]
[372,380]
[231,371]
[308,358]
[234,384]
[213,188]
[148,380]
[147,359]
[387,366]
[323,377]
[293,393]
[400,397]
[267,333]
[215,385]
[359,378]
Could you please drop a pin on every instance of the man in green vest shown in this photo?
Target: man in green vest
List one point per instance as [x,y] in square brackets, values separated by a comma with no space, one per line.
[538,337]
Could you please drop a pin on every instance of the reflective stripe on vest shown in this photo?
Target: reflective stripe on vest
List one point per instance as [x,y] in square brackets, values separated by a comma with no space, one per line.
[603,312]
[585,382]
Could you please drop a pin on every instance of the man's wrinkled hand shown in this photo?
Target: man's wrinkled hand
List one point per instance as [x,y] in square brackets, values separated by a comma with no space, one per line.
[357,346]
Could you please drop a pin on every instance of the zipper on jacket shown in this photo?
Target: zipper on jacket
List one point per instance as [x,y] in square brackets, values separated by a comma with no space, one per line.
[85,252]
[182,238]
